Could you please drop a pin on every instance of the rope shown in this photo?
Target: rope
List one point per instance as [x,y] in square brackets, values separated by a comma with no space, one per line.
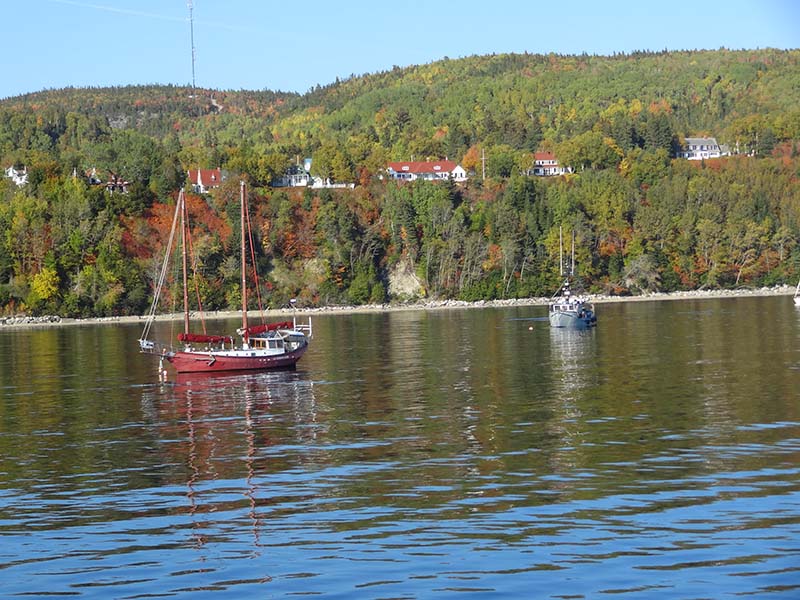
[151,315]
[194,278]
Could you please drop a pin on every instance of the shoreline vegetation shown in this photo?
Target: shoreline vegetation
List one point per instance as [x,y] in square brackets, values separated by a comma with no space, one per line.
[24,321]
[602,148]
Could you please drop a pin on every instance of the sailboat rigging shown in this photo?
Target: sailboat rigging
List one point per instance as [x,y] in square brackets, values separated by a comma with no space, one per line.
[262,347]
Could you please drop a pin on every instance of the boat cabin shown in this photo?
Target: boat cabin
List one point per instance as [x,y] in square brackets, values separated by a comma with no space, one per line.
[271,341]
[277,341]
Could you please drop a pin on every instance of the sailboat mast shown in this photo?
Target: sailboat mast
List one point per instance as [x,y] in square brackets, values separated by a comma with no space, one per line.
[244,269]
[182,201]
[560,252]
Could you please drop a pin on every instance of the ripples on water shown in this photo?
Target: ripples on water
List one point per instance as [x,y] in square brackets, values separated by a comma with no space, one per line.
[463,453]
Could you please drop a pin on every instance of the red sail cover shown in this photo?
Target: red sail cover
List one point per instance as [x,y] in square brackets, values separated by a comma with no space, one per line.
[256,329]
[200,338]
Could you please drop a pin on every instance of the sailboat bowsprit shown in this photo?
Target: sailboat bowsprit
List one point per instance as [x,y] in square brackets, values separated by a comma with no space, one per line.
[262,347]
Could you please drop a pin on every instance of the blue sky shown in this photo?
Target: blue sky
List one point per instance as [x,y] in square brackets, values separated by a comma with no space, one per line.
[293,46]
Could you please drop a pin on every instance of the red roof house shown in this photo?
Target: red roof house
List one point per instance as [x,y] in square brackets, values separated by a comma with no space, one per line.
[203,180]
[436,170]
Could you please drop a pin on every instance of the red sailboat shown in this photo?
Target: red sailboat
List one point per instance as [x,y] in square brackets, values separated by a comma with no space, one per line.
[261,347]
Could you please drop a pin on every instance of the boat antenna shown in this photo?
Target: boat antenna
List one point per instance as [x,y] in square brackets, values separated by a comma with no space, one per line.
[190,4]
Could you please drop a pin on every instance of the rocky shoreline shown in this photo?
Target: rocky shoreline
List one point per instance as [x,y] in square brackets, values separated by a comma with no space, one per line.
[25,321]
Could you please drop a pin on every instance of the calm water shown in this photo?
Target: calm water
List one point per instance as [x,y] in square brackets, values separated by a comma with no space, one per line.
[462,453]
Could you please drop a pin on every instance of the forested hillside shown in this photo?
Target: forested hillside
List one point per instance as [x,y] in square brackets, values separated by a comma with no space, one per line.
[644,220]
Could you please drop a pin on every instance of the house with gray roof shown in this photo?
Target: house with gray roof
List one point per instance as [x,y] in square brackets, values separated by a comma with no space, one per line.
[702,148]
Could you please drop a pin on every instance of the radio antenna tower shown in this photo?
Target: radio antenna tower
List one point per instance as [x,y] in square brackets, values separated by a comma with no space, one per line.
[190,4]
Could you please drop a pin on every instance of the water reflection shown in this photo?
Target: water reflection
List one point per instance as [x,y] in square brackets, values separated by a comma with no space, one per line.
[219,426]
[573,356]
[573,371]
[417,455]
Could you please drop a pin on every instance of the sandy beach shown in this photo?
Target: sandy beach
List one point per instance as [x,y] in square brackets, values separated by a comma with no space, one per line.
[24,321]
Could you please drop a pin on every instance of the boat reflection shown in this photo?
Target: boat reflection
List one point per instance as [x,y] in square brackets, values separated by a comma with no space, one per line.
[573,356]
[218,435]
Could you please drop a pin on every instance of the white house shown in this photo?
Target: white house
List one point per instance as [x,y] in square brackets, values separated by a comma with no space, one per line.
[437,170]
[300,176]
[701,148]
[295,176]
[203,181]
[546,164]
[20,177]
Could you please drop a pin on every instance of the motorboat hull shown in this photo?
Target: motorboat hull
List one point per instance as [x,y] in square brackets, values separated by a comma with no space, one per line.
[571,319]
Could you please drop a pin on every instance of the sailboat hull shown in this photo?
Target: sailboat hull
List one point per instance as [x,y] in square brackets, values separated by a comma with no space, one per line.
[264,347]
[193,361]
